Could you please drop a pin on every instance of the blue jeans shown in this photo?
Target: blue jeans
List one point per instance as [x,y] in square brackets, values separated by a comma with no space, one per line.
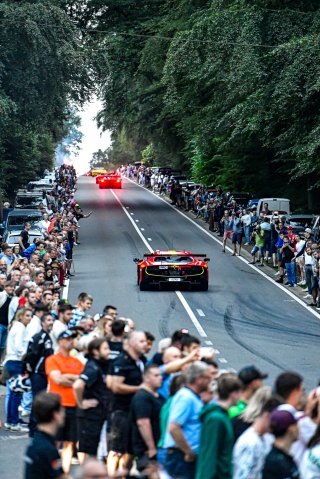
[13,399]
[247,233]
[309,275]
[255,250]
[177,467]
[291,272]
[3,338]
[161,456]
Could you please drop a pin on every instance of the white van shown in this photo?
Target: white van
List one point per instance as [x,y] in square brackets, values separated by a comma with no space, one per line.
[281,205]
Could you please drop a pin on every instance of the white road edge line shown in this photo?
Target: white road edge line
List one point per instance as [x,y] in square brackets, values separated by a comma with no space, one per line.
[182,299]
[258,271]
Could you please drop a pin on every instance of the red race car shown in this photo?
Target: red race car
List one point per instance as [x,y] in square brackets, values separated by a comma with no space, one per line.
[163,268]
[109,181]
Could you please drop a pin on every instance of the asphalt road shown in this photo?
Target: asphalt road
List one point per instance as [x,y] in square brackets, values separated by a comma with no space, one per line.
[247,319]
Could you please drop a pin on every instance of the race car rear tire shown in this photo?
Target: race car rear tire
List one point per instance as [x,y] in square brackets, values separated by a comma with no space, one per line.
[203,286]
[143,286]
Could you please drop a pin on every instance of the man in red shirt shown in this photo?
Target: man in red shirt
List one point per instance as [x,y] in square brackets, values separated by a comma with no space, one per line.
[62,371]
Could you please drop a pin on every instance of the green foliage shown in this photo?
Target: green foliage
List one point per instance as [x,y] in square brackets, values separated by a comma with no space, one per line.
[99,159]
[42,71]
[148,155]
[227,89]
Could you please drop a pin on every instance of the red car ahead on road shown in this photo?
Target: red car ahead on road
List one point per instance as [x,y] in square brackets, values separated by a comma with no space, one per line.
[163,268]
[109,181]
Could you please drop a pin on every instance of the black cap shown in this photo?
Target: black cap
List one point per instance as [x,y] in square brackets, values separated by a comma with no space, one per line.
[67,334]
[249,374]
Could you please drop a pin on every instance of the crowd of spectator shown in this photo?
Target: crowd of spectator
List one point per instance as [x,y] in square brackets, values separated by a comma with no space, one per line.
[96,393]
[169,414]
[32,279]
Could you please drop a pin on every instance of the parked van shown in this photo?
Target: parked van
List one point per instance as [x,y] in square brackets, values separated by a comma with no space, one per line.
[281,205]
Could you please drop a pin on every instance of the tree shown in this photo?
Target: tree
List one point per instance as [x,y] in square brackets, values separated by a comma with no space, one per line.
[42,72]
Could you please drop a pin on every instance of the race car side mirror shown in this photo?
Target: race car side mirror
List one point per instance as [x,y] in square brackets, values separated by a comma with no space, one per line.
[206,260]
[136,260]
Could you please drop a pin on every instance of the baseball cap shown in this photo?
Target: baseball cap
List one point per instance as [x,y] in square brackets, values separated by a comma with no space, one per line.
[308,230]
[67,334]
[281,420]
[249,374]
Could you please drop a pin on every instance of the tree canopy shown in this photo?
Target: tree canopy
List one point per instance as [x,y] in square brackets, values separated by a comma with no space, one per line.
[227,89]
[43,75]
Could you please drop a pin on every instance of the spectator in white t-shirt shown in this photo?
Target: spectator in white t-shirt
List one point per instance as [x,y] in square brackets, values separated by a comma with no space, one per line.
[246,223]
[254,444]
[310,466]
[65,312]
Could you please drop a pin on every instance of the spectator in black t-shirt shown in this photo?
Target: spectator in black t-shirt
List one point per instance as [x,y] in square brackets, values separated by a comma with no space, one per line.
[287,254]
[42,460]
[24,237]
[91,396]
[40,347]
[116,341]
[145,411]
[279,464]
[125,382]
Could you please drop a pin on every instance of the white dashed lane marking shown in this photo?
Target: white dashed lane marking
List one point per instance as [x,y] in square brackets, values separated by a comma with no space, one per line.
[200,312]
[180,296]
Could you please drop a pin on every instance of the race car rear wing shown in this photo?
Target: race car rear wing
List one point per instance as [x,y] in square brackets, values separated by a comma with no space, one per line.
[148,255]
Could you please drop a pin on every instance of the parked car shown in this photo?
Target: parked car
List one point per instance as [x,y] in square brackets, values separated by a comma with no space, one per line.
[28,200]
[315,229]
[252,203]
[241,198]
[12,237]
[18,217]
[281,205]
[39,186]
[300,222]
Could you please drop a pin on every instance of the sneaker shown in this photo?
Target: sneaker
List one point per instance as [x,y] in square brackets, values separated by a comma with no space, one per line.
[20,408]
[277,273]
[7,425]
[246,244]
[24,413]
[318,308]
[260,264]
[252,262]
[307,296]
[19,428]
[279,280]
